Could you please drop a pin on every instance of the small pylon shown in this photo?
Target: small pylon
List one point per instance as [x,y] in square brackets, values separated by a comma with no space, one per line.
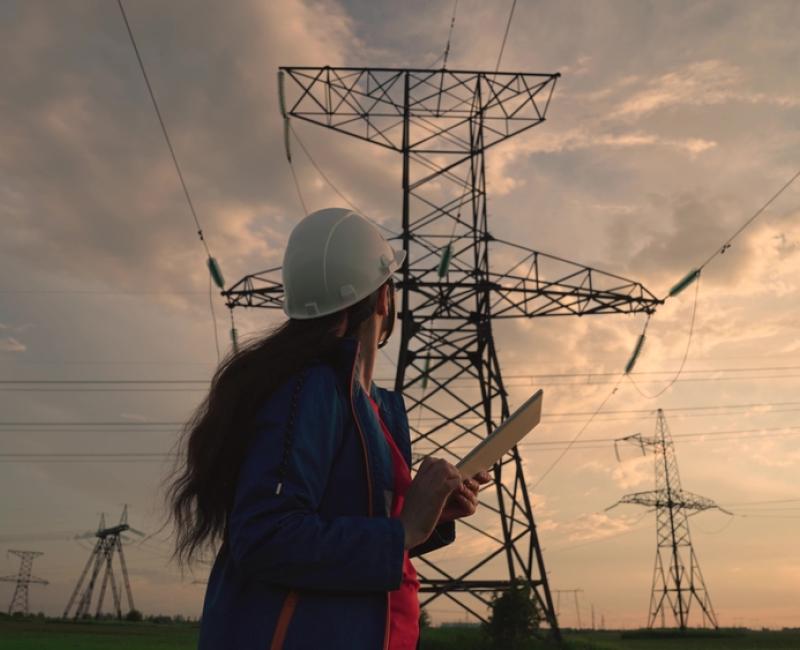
[19,601]
[677,579]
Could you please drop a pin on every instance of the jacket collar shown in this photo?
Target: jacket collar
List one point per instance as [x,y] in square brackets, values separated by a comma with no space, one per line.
[347,363]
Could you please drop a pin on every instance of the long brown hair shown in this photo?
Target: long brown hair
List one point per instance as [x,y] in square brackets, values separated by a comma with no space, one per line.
[214,441]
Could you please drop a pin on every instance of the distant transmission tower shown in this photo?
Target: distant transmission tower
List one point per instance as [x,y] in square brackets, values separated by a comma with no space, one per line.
[19,601]
[574,592]
[675,588]
[441,123]
[109,543]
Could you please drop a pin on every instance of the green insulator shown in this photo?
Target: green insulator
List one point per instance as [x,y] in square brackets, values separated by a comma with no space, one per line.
[286,139]
[216,274]
[281,96]
[636,351]
[235,339]
[425,373]
[444,261]
[691,276]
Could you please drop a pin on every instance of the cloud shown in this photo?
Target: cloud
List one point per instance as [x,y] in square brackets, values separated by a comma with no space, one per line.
[503,178]
[598,526]
[587,138]
[10,344]
[633,473]
[86,170]
[703,83]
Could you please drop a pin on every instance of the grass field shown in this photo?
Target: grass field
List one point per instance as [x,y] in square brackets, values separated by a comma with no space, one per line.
[66,635]
[724,640]
[63,635]
[469,639]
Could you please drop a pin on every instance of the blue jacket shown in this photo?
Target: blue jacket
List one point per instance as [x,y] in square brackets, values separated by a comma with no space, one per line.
[311,552]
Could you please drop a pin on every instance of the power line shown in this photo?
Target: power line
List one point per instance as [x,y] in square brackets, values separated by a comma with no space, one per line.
[543,446]
[505,35]
[164,129]
[685,353]
[215,273]
[577,435]
[450,34]
[91,387]
[537,443]
[172,427]
[741,503]
[676,409]
[577,374]
[757,213]
[341,194]
[90,454]
[105,292]
[694,276]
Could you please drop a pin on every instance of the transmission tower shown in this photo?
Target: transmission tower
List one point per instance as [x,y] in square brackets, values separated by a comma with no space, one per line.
[109,543]
[574,592]
[442,122]
[682,584]
[19,601]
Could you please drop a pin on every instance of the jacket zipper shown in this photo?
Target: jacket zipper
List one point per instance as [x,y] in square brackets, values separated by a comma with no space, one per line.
[369,477]
[284,618]
[287,610]
[360,432]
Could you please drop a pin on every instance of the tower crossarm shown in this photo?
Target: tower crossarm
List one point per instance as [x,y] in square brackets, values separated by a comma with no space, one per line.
[538,284]
[30,579]
[651,499]
[263,289]
[692,501]
[372,104]
[672,499]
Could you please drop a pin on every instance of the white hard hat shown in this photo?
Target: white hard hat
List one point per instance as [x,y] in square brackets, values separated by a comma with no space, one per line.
[334,258]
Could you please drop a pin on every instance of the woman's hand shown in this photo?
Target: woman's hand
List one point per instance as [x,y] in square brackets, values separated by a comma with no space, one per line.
[464,501]
[435,481]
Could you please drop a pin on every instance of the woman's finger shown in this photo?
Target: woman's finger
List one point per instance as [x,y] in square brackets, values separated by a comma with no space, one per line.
[468,503]
[482,477]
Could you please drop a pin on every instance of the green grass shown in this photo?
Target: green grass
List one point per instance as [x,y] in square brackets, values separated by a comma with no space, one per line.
[101,635]
[67,635]
[469,639]
[693,640]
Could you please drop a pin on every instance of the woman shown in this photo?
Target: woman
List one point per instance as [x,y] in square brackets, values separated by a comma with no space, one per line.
[297,466]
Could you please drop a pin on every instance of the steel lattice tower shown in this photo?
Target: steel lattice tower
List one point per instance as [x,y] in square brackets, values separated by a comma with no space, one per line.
[442,122]
[682,583]
[109,543]
[19,601]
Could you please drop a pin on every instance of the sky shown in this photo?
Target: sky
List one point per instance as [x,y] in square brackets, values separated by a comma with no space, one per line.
[671,124]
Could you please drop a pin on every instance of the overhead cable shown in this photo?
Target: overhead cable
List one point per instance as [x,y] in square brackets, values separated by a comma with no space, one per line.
[213,265]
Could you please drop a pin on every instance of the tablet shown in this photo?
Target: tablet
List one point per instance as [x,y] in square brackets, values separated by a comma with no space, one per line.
[503,438]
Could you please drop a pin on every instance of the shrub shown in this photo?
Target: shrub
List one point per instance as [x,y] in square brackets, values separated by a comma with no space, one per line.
[514,617]
[134,615]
